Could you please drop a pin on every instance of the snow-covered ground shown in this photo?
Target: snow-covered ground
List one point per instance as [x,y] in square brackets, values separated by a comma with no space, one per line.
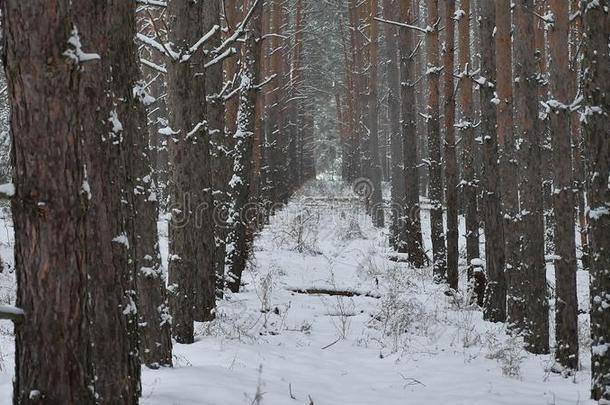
[397,340]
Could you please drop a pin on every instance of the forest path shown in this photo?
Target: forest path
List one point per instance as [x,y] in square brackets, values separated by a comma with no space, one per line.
[413,345]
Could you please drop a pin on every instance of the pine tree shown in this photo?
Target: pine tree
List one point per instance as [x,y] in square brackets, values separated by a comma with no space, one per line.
[191,244]
[411,242]
[433,71]
[466,124]
[237,240]
[530,276]
[596,128]
[495,294]
[58,174]
[566,307]
[393,94]
[451,170]
[508,158]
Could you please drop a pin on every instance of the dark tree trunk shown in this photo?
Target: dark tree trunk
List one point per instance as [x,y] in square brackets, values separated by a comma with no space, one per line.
[439,260]
[411,242]
[191,268]
[50,205]
[373,117]
[508,157]
[576,127]
[237,249]
[469,184]
[222,149]
[396,162]
[153,311]
[596,128]
[531,274]
[495,294]
[220,165]
[451,170]
[566,304]
[111,238]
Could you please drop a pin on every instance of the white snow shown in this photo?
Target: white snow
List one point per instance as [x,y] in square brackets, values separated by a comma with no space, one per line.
[412,346]
[122,239]
[76,53]
[352,350]
[7,189]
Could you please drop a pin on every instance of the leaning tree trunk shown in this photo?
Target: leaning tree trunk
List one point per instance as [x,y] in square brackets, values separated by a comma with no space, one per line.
[451,170]
[531,272]
[508,160]
[237,248]
[50,238]
[435,167]
[566,307]
[411,241]
[191,269]
[495,294]
[596,92]
[396,163]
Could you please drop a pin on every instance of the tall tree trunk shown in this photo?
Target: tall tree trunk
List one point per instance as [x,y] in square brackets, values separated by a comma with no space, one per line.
[411,242]
[531,274]
[277,143]
[566,306]
[576,127]
[596,128]
[50,239]
[466,128]
[508,158]
[397,165]
[373,116]
[220,165]
[110,230]
[153,311]
[451,170]
[495,294]
[190,243]
[435,167]
[237,249]
[224,166]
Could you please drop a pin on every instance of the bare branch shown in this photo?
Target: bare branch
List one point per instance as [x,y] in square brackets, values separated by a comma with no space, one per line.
[403,25]
[153,66]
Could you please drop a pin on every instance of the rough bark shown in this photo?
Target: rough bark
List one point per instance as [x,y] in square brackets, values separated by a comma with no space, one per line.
[468,184]
[132,99]
[495,294]
[191,269]
[508,159]
[237,249]
[393,92]
[576,127]
[435,168]
[412,243]
[596,128]
[49,207]
[375,173]
[531,274]
[451,170]
[220,165]
[566,307]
